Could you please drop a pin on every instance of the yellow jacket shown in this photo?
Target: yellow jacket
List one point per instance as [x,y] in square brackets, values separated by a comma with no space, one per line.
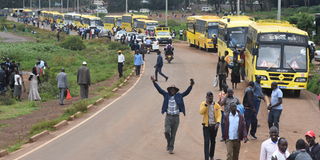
[204,111]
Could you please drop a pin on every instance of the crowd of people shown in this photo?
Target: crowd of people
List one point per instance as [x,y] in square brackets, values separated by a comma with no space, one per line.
[12,81]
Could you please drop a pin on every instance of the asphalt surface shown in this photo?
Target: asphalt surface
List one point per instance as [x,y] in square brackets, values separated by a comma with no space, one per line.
[132,127]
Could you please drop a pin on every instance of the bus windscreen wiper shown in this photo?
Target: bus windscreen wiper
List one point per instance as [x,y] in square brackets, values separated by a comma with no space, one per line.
[291,68]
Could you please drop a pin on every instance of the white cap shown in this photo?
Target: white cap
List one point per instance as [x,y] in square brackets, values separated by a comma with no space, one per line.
[84,62]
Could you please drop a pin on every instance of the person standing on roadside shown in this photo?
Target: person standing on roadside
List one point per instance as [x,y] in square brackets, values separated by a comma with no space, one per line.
[258,95]
[158,67]
[121,60]
[235,132]
[211,112]
[275,106]
[314,148]
[221,96]
[172,105]
[248,103]
[222,71]
[269,146]
[62,85]
[235,73]
[281,153]
[301,152]
[18,83]
[84,80]
[2,80]
[138,61]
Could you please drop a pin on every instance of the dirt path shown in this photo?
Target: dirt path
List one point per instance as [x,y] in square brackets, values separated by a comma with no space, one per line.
[12,38]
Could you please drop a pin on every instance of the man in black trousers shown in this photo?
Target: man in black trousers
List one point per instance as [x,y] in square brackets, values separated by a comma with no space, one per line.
[158,67]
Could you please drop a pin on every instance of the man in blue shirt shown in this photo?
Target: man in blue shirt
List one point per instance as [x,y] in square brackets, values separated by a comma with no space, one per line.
[172,105]
[138,61]
[275,106]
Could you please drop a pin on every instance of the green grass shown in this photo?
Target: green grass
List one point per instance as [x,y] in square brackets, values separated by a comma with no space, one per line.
[15,147]
[18,109]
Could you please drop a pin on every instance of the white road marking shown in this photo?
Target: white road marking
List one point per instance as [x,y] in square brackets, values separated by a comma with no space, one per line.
[76,126]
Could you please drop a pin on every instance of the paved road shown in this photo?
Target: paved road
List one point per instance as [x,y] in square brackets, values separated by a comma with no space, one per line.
[132,127]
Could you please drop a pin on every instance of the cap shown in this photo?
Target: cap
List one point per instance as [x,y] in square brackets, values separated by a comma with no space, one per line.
[84,62]
[311,134]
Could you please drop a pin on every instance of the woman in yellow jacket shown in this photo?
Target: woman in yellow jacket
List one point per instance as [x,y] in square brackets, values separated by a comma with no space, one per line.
[211,112]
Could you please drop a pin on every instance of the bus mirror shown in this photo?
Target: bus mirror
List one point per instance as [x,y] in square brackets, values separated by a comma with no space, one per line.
[255,51]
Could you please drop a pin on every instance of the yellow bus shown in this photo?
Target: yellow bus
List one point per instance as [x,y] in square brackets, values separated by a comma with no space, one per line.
[128,21]
[27,13]
[70,18]
[205,28]
[111,21]
[91,21]
[58,17]
[191,29]
[232,34]
[142,25]
[278,52]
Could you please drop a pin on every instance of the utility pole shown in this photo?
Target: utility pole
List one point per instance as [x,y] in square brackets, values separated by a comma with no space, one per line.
[166,12]
[238,7]
[126,6]
[61,4]
[49,5]
[30,4]
[279,10]
[23,3]
[39,4]
[67,5]
[78,6]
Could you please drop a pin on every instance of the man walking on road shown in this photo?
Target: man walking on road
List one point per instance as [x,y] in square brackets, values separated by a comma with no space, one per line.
[269,146]
[121,60]
[158,67]
[235,132]
[275,106]
[83,79]
[172,105]
[62,85]
[314,148]
[248,103]
[222,71]
[138,61]
[211,112]
[258,95]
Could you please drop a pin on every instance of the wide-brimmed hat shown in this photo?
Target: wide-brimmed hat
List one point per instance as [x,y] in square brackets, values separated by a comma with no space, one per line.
[173,87]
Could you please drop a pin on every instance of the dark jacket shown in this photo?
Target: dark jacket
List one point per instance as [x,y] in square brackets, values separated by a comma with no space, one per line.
[178,98]
[248,99]
[242,131]
[83,76]
[159,61]
[315,152]
[222,68]
[2,76]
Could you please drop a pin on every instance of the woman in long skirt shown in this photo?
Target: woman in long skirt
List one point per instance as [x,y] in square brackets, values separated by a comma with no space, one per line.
[33,92]
[235,74]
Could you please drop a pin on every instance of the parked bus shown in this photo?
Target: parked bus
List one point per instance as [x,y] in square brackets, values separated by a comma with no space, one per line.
[232,34]
[278,52]
[91,21]
[205,28]
[70,18]
[58,17]
[128,20]
[191,30]
[111,21]
[143,25]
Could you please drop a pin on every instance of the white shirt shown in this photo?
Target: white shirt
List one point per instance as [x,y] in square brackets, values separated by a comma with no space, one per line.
[281,156]
[267,149]
[16,81]
[121,58]
[211,114]
[172,107]
[233,126]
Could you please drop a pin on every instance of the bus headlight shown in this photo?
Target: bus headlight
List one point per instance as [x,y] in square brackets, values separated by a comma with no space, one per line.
[301,79]
[264,78]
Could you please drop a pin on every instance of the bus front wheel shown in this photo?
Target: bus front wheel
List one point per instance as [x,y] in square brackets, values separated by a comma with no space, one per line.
[296,93]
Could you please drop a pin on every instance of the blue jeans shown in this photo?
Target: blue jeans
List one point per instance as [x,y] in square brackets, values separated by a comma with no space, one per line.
[254,121]
[274,118]
[248,116]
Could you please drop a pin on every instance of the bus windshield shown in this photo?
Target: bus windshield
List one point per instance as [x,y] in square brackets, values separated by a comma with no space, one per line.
[295,57]
[237,36]
[163,34]
[269,56]
[96,23]
[68,17]
[212,31]
[108,20]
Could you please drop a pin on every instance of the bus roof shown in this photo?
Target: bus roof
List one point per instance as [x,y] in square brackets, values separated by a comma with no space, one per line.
[147,20]
[277,26]
[209,18]
[192,18]
[115,16]
[72,14]
[236,21]
[27,10]
[90,17]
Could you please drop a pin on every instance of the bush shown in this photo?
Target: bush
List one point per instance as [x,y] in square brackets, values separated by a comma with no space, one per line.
[79,106]
[117,46]
[6,100]
[73,43]
[313,85]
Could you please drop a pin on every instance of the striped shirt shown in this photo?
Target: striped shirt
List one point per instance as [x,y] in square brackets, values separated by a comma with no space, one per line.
[172,107]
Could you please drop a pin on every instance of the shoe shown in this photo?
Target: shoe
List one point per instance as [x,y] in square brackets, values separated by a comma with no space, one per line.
[253,136]
[221,140]
[170,151]
[167,79]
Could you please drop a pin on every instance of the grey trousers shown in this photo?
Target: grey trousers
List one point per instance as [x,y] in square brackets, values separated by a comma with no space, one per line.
[62,95]
[171,125]
[84,91]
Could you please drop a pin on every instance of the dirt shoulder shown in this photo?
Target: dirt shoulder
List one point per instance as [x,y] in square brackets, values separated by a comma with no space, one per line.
[12,38]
